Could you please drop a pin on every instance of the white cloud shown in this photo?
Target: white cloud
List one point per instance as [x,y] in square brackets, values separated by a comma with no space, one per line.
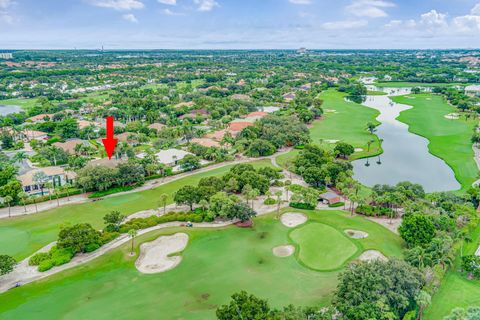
[344,25]
[169,2]
[121,5]
[369,8]
[300,1]
[434,20]
[169,12]
[476,10]
[206,5]
[4,4]
[130,17]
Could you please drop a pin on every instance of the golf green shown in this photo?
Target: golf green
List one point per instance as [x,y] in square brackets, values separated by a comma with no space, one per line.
[215,264]
[322,247]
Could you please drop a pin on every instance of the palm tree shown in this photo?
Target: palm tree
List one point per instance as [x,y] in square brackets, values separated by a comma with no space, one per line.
[163,202]
[67,187]
[40,179]
[287,185]
[132,233]
[24,196]
[253,195]
[279,200]
[423,299]
[8,200]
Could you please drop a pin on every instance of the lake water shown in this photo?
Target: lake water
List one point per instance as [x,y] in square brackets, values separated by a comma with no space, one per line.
[4,110]
[406,156]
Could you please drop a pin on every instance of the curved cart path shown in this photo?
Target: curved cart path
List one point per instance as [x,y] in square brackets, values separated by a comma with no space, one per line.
[82,198]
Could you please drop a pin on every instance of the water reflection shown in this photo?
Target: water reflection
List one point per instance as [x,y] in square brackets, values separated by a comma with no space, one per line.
[406,156]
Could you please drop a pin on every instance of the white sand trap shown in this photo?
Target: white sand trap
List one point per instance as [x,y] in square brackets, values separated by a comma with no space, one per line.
[453,116]
[331,141]
[155,255]
[477,253]
[358,149]
[293,219]
[372,255]
[330,110]
[356,234]
[283,251]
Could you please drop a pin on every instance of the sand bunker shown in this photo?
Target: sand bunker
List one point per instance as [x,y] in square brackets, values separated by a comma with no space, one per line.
[372,255]
[331,141]
[330,110]
[358,149]
[293,219]
[356,234]
[283,251]
[453,116]
[155,255]
[477,253]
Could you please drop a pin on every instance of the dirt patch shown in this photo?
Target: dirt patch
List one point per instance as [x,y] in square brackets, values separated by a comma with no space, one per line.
[283,251]
[293,219]
[155,255]
[356,234]
[372,255]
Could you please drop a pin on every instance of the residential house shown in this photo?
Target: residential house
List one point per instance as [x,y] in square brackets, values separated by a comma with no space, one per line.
[39,118]
[206,142]
[473,90]
[288,97]
[30,135]
[169,157]
[57,176]
[156,126]
[330,197]
[70,145]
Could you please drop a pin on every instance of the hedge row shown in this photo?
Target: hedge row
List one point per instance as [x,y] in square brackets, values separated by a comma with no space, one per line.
[144,223]
[298,205]
[372,211]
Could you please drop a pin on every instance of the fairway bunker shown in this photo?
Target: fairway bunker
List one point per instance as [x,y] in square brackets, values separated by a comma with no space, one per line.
[283,251]
[155,255]
[356,234]
[293,219]
[452,116]
[372,255]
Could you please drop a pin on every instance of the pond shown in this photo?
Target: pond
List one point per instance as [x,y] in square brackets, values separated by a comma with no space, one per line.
[5,110]
[406,156]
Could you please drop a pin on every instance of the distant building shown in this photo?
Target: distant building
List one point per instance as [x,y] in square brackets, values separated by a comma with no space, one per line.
[168,157]
[302,51]
[205,142]
[30,135]
[288,97]
[473,90]
[40,118]
[6,55]
[70,145]
[330,197]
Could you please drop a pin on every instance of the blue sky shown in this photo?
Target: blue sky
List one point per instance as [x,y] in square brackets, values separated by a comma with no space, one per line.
[239,24]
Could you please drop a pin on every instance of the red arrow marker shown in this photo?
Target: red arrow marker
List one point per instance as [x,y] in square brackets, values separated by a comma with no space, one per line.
[109,143]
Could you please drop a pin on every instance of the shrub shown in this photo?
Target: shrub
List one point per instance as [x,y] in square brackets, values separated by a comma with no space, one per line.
[36,259]
[298,205]
[100,194]
[336,205]
[45,265]
[55,257]
[372,211]
[269,201]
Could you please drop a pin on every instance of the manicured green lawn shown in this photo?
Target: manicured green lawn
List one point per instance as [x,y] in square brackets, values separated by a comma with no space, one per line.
[216,263]
[456,290]
[399,84]
[449,139]
[322,247]
[24,103]
[347,124]
[24,235]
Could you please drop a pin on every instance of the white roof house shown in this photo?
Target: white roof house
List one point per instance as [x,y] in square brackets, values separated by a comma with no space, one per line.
[473,90]
[169,157]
